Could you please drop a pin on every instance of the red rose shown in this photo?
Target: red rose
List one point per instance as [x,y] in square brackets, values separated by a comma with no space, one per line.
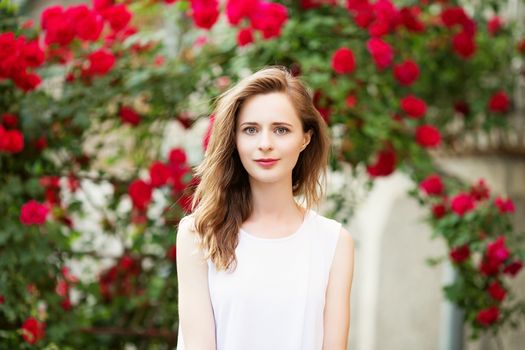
[439,210]
[460,254]
[489,267]
[177,156]
[488,316]
[159,174]
[494,25]
[2,299]
[351,101]
[462,203]
[269,18]
[100,62]
[59,30]
[513,268]
[245,37]
[50,13]
[432,185]
[407,72]
[428,136]
[463,44]
[140,193]
[462,107]
[454,15]
[118,16]
[504,206]
[27,81]
[496,291]
[33,330]
[238,9]
[499,102]
[413,106]
[32,54]
[171,254]
[343,61]
[101,5]
[409,18]
[385,163]
[13,141]
[89,27]
[205,13]
[33,213]
[382,53]
[129,115]
[364,17]
[310,4]
[378,28]
[480,191]
[497,252]
[66,305]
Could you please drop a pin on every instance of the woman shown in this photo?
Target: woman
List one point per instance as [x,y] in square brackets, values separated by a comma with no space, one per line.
[255,269]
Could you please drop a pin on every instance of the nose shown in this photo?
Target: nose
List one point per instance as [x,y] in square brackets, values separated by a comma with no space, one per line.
[265,141]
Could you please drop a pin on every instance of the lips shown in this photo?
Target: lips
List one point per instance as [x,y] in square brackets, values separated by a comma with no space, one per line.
[266,162]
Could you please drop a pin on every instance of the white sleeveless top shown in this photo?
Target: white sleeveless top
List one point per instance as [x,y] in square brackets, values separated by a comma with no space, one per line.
[275,298]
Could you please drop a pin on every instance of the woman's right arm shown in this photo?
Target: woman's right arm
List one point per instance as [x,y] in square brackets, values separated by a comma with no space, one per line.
[195,310]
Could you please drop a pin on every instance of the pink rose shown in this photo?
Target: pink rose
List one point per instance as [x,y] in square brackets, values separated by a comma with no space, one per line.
[33,213]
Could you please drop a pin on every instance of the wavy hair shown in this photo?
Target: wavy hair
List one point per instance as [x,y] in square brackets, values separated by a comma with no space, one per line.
[222,198]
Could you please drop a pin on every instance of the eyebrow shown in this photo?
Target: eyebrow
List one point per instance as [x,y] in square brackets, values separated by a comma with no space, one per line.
[274,123]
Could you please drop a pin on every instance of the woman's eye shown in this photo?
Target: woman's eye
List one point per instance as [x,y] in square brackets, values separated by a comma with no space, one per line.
[284,131]
[249,128]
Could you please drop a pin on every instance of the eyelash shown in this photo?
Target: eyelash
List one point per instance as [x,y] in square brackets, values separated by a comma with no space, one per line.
[251,127]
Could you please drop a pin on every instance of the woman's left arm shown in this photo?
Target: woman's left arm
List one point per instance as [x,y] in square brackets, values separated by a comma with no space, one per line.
[337,305]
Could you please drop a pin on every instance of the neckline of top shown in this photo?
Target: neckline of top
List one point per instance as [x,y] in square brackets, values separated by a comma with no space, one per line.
[307,215]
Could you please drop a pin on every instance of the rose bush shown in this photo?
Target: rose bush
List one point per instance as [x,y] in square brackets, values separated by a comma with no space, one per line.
[391,77]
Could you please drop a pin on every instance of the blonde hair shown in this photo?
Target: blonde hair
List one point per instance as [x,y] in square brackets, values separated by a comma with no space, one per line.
[222,199]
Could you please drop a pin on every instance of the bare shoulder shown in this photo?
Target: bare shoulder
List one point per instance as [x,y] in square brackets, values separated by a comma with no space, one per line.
[187,238]
[346,241]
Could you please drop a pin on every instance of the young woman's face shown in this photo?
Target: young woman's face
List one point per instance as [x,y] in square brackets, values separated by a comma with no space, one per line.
[268,128]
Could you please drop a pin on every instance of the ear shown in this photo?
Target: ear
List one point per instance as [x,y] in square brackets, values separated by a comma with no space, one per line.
[306,140]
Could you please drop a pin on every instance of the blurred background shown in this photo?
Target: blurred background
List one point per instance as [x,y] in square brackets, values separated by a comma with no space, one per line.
[105,107]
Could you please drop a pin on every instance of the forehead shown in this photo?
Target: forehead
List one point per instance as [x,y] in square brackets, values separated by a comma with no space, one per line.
[268,108]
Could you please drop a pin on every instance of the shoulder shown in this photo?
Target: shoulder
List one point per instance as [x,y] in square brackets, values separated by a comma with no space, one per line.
[187,237]
[346,243]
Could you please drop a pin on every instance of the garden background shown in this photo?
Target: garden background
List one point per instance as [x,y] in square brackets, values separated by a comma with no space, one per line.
[105,107]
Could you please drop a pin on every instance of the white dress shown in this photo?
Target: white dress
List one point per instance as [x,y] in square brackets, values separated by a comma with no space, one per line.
[275,298]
